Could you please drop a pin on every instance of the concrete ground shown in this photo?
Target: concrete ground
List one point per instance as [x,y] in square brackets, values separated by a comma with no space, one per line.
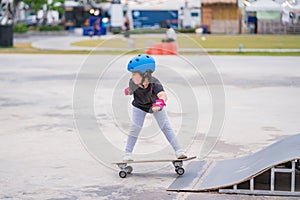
[42,155]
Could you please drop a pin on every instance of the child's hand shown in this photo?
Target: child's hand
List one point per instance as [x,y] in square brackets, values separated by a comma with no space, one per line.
[126,91]
[155,109]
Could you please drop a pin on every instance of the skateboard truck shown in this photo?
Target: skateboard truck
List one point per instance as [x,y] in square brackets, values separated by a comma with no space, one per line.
[178,167]
[124,169]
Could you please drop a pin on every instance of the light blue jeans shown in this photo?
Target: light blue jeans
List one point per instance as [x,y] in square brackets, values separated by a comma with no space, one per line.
[138,117]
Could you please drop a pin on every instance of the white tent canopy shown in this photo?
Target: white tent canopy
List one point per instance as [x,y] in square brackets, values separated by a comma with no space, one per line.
[164,5]
[167,5]
[264,5]
[296,8]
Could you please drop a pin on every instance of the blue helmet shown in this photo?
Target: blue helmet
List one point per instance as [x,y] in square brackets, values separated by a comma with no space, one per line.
[141,63]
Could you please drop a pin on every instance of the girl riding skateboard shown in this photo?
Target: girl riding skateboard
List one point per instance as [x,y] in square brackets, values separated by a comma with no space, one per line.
[149,97]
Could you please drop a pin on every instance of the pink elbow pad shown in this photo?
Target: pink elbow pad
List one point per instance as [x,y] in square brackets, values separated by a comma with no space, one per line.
[126,91]
[160,103]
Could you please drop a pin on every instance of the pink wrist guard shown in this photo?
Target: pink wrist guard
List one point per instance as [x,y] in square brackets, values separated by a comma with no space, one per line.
[160,103]
[126,91]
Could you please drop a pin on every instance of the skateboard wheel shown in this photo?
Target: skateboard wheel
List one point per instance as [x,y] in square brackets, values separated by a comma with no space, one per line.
[129,169]
[180,170]
[122,174]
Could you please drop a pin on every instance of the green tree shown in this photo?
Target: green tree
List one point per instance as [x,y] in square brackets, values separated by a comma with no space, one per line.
[36,5]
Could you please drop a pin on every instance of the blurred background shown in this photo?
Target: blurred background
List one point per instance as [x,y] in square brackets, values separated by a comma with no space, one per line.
[197,17]
[214,16]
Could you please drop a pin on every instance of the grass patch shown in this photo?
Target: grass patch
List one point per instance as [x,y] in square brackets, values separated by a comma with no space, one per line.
[117,43]
[26,48]
[255,53]
[250,42]
[212,41]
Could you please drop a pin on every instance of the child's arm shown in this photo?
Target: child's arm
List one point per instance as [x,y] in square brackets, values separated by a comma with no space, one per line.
[162,95]
[126,91]
[129,90]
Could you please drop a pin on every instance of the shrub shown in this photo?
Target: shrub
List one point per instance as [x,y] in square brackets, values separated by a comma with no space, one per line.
[33,28]
[143,31]
[50,28]
[187,30]
[116,30]
[20,28]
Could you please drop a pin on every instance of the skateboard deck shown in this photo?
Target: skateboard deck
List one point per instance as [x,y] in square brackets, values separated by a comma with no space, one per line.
[127,169]
[161,160]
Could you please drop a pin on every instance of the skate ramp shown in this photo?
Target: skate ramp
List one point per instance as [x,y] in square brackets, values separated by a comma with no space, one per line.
[214,175]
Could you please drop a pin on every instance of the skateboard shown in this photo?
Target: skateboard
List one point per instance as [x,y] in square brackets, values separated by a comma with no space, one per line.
[125,168]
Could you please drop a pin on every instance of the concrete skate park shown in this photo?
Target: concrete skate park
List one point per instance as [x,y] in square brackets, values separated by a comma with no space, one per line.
[44,154]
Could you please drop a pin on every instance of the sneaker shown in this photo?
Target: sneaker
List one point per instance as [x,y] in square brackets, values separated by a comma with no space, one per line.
[127,157]
[180,154]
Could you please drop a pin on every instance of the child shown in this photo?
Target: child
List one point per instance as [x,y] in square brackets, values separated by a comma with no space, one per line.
[170,35]
[149,97]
